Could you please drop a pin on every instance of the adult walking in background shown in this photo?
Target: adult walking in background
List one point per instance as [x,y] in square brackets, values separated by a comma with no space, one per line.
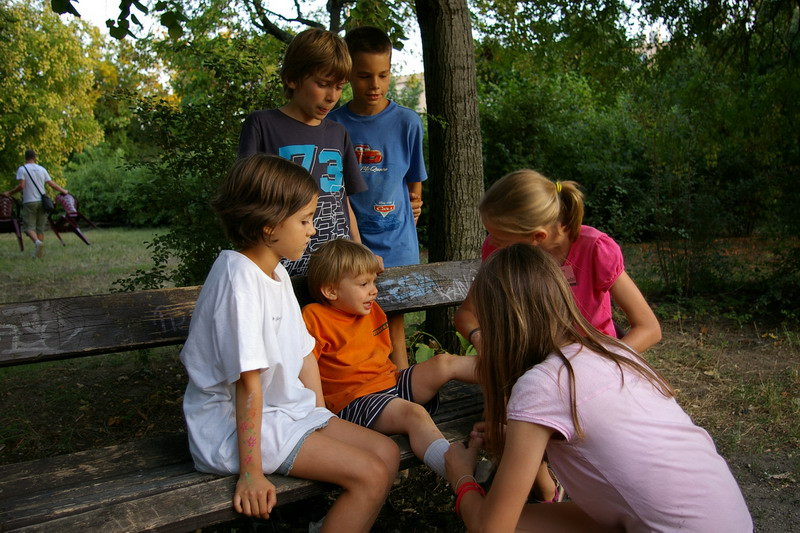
[31,179]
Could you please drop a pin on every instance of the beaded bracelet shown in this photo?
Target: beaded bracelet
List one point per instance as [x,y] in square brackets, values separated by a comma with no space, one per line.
[469,486]
[455,487]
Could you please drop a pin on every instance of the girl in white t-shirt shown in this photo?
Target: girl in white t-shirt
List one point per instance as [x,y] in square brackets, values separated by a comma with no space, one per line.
[630,458]
[254,403]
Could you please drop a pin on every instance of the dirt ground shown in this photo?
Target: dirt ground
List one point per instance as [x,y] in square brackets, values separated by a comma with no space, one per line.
[742,384]
[739,382]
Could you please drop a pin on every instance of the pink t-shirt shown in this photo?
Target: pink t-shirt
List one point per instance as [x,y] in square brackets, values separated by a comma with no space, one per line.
[593,264]
[642,464]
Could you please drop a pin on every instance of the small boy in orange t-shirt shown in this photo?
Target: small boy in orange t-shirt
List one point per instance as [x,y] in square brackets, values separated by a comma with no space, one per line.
[359,381]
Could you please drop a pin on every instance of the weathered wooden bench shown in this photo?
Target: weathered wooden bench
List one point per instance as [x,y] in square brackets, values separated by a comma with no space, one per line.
[151,485]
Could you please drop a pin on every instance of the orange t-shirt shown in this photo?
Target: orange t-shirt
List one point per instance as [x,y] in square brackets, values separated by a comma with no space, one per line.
[352,351]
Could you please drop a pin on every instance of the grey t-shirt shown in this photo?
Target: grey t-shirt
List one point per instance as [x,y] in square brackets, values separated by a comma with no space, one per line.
[326,152]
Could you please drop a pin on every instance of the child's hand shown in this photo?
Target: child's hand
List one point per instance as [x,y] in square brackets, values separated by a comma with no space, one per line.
[459,461]
[478,434]
[254,495]
[381,268]
[416,205]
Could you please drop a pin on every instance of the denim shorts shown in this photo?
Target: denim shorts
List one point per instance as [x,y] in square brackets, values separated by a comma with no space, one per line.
[286,466]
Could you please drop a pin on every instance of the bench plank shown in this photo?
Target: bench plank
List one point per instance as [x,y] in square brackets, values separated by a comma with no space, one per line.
[61,328]
[151,491]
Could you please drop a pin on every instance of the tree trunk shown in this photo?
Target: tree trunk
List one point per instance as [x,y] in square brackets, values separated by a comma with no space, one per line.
[454,139]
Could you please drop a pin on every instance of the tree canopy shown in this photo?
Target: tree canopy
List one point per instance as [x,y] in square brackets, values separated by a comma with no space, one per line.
[47,92]
[678,136]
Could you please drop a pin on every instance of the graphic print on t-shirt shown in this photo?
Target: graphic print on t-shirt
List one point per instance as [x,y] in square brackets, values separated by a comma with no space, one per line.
[384,208]
[367,155]
[330,220]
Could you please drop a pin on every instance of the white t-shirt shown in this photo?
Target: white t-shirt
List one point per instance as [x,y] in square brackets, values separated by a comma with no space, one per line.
[642,463]
[245,320]
[39,175]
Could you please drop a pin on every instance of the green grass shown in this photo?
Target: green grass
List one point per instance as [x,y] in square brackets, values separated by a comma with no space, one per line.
[741,385]
[73,269]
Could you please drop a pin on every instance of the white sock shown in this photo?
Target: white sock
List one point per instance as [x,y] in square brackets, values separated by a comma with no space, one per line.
[434,456]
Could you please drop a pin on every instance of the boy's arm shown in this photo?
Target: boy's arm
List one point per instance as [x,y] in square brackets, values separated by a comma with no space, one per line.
[354,233]
[254,494]
[309,376]
[415,195]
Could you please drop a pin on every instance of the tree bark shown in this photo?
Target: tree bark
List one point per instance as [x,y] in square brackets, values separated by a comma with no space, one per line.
[454,141]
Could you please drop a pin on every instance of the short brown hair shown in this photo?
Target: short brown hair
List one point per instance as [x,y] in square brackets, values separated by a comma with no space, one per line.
[261,191]
[368,39]
[314,51]
[336,259]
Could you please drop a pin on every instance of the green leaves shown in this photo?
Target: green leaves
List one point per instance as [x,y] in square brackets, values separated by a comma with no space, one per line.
[46,87]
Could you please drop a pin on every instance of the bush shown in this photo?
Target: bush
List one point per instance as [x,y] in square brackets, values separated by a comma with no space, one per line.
[110,189]
[568,134]
[197,138]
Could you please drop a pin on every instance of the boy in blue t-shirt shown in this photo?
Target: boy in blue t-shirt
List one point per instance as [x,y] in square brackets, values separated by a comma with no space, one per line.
[315,68]
[388,144]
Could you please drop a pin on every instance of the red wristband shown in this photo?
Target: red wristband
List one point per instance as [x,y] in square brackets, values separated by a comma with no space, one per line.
[465,488]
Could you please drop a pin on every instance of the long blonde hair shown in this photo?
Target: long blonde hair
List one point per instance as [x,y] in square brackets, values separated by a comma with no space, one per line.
[525,201]
[526,311]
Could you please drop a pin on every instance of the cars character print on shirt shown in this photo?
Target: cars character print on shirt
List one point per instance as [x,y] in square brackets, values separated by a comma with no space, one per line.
[367,155]
[384,209]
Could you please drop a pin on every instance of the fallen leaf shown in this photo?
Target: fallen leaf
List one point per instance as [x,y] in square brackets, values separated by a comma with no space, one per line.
[787,476]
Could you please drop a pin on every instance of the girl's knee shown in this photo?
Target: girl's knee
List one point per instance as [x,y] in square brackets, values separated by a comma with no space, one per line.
[388,451]
[374,476]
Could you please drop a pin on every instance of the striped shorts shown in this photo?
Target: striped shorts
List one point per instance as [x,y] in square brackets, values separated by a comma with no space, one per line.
[366,409]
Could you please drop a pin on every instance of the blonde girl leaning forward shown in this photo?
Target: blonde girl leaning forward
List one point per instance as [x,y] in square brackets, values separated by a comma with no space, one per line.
[254,403]
[524,206]
[629,456]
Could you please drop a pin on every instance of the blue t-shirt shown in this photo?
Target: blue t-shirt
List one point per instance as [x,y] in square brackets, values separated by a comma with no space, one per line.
[326,152]
[389,148]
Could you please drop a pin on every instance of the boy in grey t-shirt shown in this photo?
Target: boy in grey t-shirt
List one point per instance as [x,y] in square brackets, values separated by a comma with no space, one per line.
[315,68]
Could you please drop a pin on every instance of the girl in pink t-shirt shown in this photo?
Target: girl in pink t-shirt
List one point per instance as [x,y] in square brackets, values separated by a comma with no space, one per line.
[629,456]
[526,207]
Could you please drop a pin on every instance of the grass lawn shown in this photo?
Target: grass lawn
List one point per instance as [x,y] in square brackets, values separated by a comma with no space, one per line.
[74,269]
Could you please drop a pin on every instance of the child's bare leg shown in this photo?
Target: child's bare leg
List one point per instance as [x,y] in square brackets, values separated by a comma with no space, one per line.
[361,461]
[397,332]
[429,376]
[409,418]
